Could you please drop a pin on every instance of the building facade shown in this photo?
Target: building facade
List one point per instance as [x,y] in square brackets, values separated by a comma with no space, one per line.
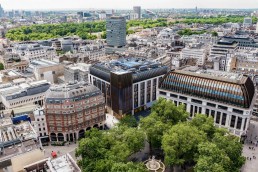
[116,33]
[73,108]
[128,84]
[39,123]
[227,97]
[137,10]
[24,94]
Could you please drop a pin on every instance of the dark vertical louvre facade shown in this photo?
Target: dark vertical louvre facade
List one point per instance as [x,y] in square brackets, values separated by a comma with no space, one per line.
[121,92]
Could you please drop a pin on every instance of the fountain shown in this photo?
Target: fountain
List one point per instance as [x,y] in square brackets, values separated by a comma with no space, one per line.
[154,165]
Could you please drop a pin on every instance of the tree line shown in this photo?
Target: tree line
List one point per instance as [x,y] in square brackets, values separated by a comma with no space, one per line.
[213,20]
[187,144]
[83,30]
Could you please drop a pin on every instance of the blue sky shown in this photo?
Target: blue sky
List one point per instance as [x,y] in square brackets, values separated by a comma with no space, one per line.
[125,4]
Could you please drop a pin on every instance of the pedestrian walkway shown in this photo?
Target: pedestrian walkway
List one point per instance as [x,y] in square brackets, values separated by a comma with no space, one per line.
[111,120]
[250,150]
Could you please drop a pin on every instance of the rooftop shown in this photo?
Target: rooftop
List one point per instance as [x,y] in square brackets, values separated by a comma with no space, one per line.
[42,63]
[213,74]
[71,90]
[64,163]
[129,65]
[22,131]
[13,90]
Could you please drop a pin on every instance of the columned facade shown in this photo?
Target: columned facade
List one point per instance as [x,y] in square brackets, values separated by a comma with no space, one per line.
[235,119]
[226,97]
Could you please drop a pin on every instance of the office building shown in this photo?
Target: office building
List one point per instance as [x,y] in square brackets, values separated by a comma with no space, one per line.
[102,15]
[73,108]
[247,22]
[116,34]
[129,84]
[200,54]
[37,52]
[46,70]
[137,10]
[76,72]
[256,28]
[223,47]
[24,94]
[227,97]
[38,121]
[1,11]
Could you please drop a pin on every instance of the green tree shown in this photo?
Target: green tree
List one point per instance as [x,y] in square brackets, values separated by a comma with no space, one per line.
[180,144]
[100,150]
[211,159]
[168,112]
[1,66]
[205,124]
[129,167]
[164,114]
[232,147]
[154,129]
[104,35]
[128,121]
[214,33]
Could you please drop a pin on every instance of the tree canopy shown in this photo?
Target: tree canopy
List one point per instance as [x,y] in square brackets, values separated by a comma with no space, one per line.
[190,32]
[180,144]
[106,150]
[195,143]
[164,114]
[83,30]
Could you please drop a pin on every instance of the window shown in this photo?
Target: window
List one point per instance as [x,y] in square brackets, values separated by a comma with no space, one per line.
[182,97]
[196,101]
[173,95]
[239,123]
[207,112]
[238,111]
[224,118]
[222,107]
[162,93]
[191,111]
[218,117]
[211,104]
[232,122]
[212,113]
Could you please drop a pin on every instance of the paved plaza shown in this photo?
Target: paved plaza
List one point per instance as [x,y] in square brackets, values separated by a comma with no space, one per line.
[252,135]
[60,150]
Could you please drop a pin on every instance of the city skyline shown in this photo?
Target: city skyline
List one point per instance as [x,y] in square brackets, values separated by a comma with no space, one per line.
[122,4]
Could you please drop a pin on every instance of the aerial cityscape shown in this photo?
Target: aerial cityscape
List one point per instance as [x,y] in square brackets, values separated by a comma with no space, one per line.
[128,86]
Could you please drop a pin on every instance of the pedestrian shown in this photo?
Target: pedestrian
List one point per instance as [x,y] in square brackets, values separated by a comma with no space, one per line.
[250,159]
[247,158]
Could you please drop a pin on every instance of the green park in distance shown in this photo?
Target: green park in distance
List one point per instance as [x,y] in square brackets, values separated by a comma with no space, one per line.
[84,30]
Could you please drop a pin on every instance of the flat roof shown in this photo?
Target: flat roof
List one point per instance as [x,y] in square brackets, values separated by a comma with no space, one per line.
[63,163]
